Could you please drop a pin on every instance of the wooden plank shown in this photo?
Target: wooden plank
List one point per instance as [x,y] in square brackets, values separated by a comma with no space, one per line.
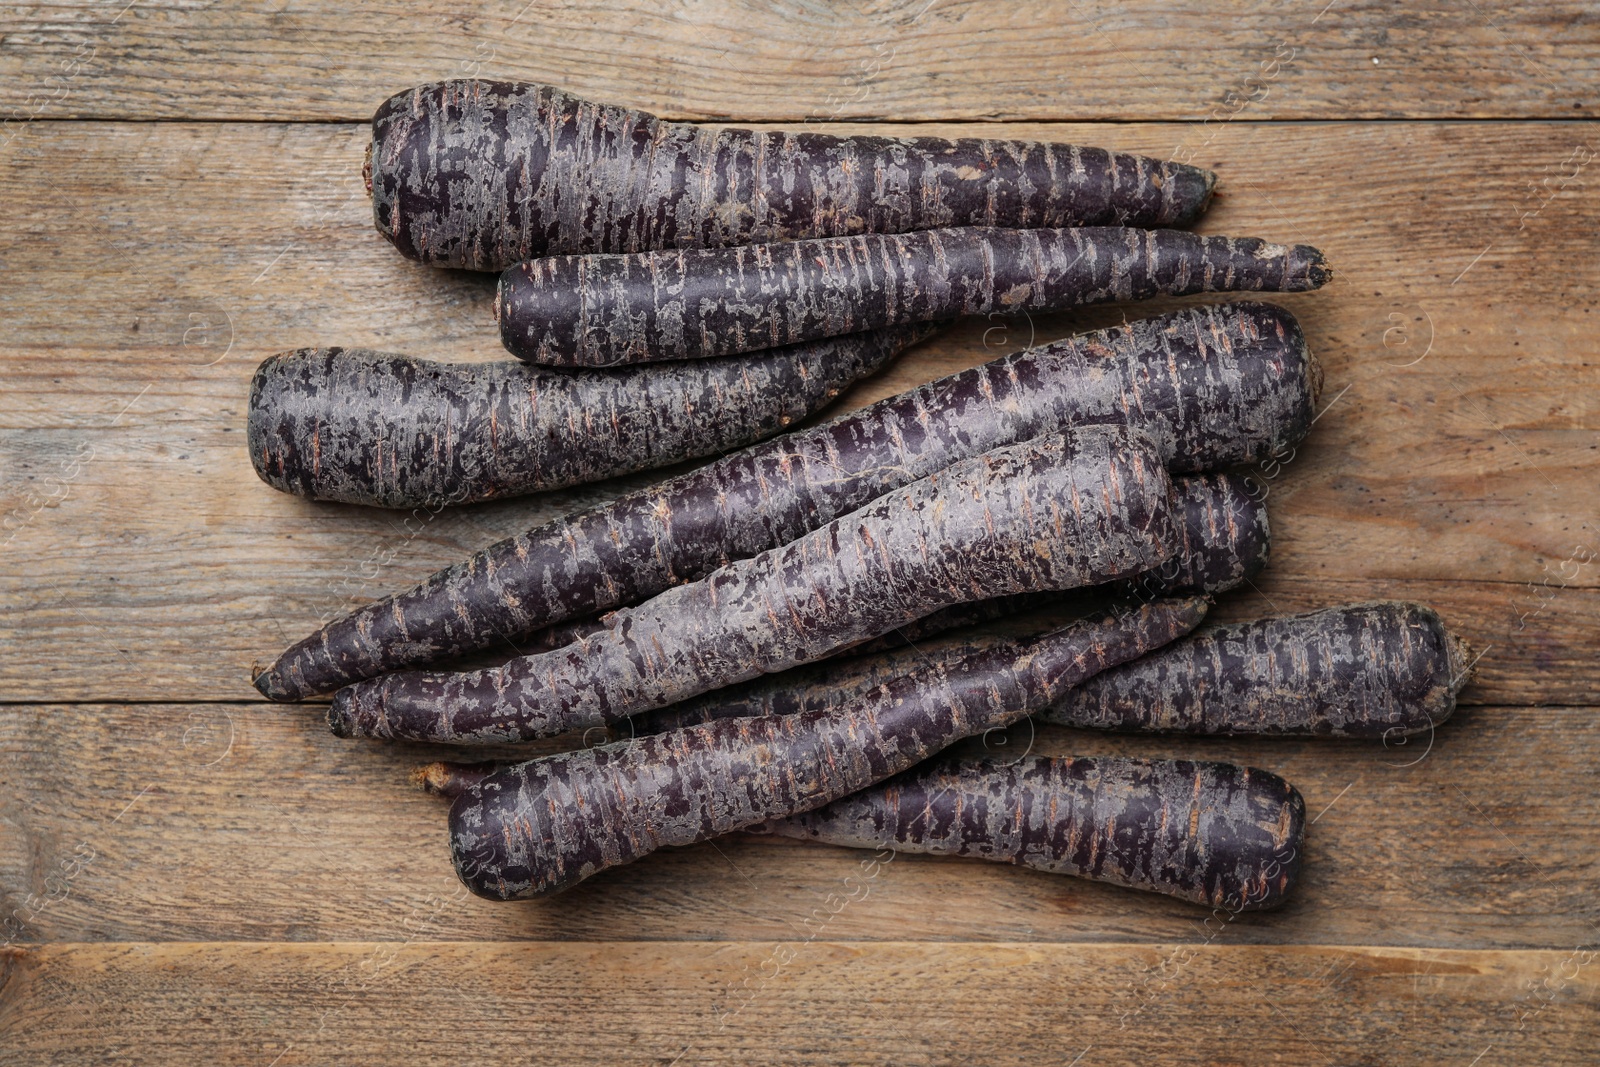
[909,60]
[1455,462]
[795,1002]
[251,822]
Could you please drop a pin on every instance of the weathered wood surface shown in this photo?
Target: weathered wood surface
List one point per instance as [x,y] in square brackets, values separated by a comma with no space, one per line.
[188,874]
[897,59]
[249,822]
[1454,463]
[801,1000]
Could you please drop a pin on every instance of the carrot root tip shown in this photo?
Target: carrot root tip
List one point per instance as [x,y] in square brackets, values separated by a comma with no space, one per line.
[341,714]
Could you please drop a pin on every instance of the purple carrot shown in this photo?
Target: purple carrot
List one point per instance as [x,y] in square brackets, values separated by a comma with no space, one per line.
[1057,512]
[1230,384]
[1211,833]
[1224,542]
[544,825]
[364,427]
[482,175]
[608,310]
[1379,670]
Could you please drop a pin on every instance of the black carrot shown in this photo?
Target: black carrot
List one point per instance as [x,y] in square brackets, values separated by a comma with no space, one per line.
[544,825]
[365,427]
[607,310]
[1211,833]
[482,174]
[1380,670]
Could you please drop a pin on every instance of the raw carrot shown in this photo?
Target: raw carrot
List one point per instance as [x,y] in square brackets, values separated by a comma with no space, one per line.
[1211,833]
[482,174]
[1379,670]
[608,310]
[1056,512]
[1227,385]
[544,825]
[1224,541]
[366,427]
[820,686]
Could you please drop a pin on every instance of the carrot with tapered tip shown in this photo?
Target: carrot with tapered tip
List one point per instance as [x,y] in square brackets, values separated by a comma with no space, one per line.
[1224,385]
[1058,512]
[1210,833]
[1223,541]
[484,174]
[604,311]
[1380,670]
[366,427]
[544,825]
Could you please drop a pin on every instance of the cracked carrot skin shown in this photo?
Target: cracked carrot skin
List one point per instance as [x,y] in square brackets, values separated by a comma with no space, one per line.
[484,174]
[544,825]
[611,310]
[1378,670]
[364,427]
[1053,513]
[1224,541]
[1230,384]
[1210,833]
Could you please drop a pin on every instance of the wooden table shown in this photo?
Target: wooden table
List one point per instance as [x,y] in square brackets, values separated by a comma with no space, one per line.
[191,875]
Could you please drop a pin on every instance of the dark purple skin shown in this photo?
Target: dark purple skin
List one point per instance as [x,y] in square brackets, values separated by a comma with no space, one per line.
[611,310]
[1381,670]
[820,686]
[482,175]
[1227,385]
[364,427]
[544,825]
[1225,542]
[1057,512]
[1210,833]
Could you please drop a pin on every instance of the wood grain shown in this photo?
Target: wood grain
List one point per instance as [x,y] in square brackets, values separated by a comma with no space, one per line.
[896,59]
[797,1001]
[189,875]
[249,822]
[1454,462]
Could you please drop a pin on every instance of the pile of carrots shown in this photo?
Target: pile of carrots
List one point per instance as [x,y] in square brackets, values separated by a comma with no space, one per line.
[788,638]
